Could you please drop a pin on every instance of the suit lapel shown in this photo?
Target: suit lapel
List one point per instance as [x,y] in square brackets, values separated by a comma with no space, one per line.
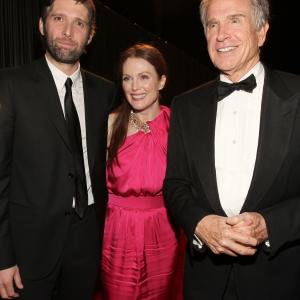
[47,93]
[89,104]
[203,140]
[277,116]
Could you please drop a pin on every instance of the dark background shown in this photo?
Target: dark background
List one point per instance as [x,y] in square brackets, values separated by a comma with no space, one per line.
[178,22]
[171,25]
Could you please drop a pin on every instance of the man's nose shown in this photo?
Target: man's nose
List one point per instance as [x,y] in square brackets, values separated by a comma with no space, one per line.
[223,32]
[68,29]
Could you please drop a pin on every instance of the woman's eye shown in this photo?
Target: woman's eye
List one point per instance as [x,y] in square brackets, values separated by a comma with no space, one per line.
[144,77]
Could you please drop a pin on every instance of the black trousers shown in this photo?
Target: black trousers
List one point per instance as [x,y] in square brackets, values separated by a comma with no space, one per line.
[74,276]
[230,291]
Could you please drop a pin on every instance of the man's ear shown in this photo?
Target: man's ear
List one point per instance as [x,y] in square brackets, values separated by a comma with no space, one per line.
[90,38]
[41,26]
[262,33]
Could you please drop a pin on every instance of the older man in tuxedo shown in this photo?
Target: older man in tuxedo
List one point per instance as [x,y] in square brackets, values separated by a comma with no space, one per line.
[233,174]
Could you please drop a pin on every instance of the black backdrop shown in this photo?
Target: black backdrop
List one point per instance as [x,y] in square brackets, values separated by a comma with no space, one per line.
[18,20]
[20,43]
[176,20]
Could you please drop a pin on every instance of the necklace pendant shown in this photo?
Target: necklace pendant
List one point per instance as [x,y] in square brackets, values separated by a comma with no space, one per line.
[136,123]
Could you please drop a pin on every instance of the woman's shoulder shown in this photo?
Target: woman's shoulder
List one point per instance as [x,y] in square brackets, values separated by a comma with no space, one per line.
[110,123]
[165,109]
[165,112]
[112,118]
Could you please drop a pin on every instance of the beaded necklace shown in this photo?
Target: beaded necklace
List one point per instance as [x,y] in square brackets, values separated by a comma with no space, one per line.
[135,122]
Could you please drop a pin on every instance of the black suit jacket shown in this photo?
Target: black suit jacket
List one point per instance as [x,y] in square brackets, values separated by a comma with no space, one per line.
[36,188]
[191,191]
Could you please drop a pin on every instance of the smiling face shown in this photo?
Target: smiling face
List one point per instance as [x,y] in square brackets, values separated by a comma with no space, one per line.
[141,85]
[66,31]
[232,39]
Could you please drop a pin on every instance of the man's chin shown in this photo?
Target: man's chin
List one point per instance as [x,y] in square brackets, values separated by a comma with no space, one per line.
[66,58]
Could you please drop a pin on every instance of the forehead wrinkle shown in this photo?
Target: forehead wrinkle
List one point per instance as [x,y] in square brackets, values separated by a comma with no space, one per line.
[228,17]
[77,13]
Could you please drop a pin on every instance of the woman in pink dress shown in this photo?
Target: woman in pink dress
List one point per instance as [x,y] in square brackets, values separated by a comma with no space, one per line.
[140,247]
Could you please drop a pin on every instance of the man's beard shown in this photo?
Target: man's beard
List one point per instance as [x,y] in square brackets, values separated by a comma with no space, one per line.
[62,56]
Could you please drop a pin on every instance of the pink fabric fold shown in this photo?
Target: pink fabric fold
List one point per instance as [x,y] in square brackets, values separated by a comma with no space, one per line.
[140,247]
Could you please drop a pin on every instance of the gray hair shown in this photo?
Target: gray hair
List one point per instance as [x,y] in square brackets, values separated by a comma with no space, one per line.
[260,12]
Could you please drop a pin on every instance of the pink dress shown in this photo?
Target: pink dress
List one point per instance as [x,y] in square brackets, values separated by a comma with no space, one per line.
[140,247]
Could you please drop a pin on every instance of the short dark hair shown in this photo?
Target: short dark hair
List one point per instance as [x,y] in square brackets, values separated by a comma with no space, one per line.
[89,4]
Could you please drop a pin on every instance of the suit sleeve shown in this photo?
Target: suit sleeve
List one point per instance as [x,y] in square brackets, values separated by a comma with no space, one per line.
[114,98]
[283,223]
[6,139]
[283,218]
[179,192]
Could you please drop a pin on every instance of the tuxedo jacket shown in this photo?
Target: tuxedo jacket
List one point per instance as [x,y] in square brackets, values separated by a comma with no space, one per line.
[190,189]
[36,166]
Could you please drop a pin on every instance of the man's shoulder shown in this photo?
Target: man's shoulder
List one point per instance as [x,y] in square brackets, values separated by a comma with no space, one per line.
[21,71]
[292,80]
[203,88]
[287,75]
[203,91]
[281,79]
[97,79]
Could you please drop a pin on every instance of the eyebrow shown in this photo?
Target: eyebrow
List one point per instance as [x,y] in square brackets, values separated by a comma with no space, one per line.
[140,73]
[53,14]
[236,16]
[214,20]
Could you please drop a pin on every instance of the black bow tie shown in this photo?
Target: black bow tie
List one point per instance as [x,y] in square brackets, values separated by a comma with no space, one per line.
[225,88]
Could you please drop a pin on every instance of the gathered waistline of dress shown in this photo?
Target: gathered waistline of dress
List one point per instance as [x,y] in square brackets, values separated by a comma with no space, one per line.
[139,202]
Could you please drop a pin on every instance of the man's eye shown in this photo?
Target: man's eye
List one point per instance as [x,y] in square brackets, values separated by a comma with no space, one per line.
[80,24]
[211,25]
[58,18]
[235,20]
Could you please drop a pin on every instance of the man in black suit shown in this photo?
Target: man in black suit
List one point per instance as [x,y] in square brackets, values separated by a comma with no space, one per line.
[233,173]
[53,118]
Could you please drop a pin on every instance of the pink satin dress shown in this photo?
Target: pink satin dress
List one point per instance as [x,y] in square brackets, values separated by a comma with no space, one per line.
[140,248]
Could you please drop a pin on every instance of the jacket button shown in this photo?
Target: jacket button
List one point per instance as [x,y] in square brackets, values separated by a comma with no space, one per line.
[71,176]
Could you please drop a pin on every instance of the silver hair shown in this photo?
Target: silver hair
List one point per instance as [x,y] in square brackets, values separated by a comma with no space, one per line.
[260,12]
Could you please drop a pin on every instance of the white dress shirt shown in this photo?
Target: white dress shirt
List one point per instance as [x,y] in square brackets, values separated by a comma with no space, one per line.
[78,98]
[236,140]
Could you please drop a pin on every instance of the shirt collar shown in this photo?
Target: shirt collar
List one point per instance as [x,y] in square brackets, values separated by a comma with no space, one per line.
[257,70]
[60,77]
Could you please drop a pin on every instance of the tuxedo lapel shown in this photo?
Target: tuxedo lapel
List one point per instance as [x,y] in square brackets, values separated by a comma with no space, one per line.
[203,152]
[49,98]
[276,125]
